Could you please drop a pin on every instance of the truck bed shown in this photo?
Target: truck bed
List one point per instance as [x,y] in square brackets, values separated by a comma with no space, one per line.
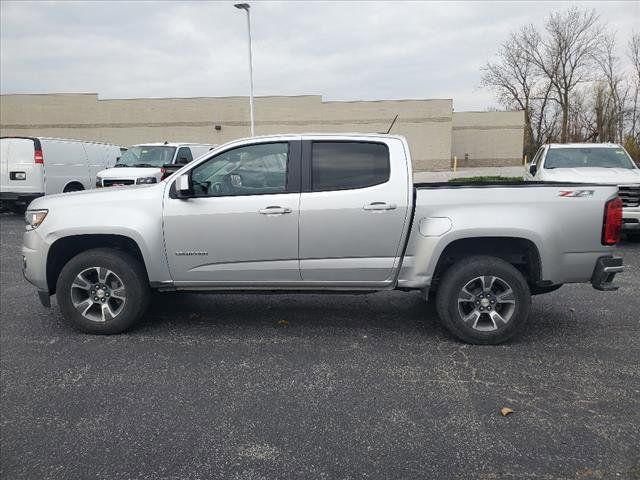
[563,221]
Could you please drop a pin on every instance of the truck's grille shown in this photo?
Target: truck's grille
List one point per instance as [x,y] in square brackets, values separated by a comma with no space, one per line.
[111,183]
[630,195]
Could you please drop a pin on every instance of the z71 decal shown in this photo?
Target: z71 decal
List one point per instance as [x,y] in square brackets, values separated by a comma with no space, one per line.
[575,193]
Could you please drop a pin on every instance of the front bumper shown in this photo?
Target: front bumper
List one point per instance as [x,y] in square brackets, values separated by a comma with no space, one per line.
[18,198]
[604,273]
[34,259]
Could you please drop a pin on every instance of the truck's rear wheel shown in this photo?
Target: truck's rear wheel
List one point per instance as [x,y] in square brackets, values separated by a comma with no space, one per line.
[102,291]
[483,300]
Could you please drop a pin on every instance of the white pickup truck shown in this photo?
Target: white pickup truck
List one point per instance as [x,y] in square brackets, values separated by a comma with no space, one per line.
[146,163]
[604,163]
[321,212]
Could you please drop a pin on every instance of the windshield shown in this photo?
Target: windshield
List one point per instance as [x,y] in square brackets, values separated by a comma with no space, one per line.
[146,156]
[614,157]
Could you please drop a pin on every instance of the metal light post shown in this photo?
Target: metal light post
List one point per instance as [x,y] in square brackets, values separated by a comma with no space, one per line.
[246,7]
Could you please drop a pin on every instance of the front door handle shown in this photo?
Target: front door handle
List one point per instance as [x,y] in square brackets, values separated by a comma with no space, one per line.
[274,210]
[376,206]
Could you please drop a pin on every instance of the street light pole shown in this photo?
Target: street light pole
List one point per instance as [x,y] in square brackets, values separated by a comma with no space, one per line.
[246,7]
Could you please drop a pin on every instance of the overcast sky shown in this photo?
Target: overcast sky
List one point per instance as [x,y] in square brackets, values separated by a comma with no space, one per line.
[341,50]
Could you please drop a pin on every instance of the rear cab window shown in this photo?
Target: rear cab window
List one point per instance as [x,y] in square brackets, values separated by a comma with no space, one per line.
[340,165]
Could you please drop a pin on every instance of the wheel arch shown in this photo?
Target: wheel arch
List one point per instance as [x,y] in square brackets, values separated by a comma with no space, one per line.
[520,252]
[65,248]
[73,183]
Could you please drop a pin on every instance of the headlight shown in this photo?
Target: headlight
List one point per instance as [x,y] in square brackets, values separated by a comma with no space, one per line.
[34,218]
[146,180]
[98,182]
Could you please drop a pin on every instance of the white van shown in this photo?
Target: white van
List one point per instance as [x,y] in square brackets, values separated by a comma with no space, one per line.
[34,166]
[144,163]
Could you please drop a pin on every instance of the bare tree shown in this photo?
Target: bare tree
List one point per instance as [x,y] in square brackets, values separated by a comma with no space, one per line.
[570,82]
[611,97]
[634,56]
[517,84]
[565,54]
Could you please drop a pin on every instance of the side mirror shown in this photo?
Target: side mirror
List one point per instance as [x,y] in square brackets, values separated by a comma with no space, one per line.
[182,161]
[533,169]
[183,186]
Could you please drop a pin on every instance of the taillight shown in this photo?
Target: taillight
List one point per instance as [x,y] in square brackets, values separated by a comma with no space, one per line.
[612,222]
[38,157]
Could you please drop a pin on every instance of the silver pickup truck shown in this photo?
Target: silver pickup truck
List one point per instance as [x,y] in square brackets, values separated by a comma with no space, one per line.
[321,212]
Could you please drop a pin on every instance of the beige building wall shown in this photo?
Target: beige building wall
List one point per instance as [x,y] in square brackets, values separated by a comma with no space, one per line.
[426,123]
[434,133]
[488,138]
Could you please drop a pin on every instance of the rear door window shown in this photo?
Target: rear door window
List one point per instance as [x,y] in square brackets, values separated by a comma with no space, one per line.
[348,165]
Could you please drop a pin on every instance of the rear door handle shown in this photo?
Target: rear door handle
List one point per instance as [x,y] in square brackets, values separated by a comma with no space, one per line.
[379,206]
[274,210]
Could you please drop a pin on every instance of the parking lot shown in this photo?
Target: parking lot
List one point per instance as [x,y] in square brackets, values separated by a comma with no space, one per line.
[319,386]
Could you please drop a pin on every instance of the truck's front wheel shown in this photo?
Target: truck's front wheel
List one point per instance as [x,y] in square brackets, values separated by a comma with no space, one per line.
[483,300]
[103,291]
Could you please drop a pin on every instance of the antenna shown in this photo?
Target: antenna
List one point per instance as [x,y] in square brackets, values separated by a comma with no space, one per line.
[392,124]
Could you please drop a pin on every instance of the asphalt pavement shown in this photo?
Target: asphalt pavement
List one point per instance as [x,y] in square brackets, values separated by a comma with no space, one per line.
[319,387]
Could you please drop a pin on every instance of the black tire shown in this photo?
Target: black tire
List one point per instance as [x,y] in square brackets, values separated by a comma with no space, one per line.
[459,276]
[128,277]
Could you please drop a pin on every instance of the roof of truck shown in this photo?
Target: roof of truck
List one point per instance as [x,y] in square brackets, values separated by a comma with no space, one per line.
[321,134]
[174,144]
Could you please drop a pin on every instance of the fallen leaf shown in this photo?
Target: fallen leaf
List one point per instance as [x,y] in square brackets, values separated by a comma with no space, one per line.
[283,322]
[504,411]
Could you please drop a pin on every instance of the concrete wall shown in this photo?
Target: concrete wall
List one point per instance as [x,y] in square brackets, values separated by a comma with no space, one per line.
[488,138]
[427,124]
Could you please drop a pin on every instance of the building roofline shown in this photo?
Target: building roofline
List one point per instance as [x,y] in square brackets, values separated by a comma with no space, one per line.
[53,94]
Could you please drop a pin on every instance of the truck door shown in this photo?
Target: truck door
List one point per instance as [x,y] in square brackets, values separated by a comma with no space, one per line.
[241,225]
[354,209]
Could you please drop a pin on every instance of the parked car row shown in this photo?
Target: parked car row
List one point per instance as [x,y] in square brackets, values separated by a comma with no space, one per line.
[31,167]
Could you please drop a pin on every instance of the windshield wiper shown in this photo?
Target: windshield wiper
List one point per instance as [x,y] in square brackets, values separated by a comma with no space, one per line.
[144,165]
[118,165]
